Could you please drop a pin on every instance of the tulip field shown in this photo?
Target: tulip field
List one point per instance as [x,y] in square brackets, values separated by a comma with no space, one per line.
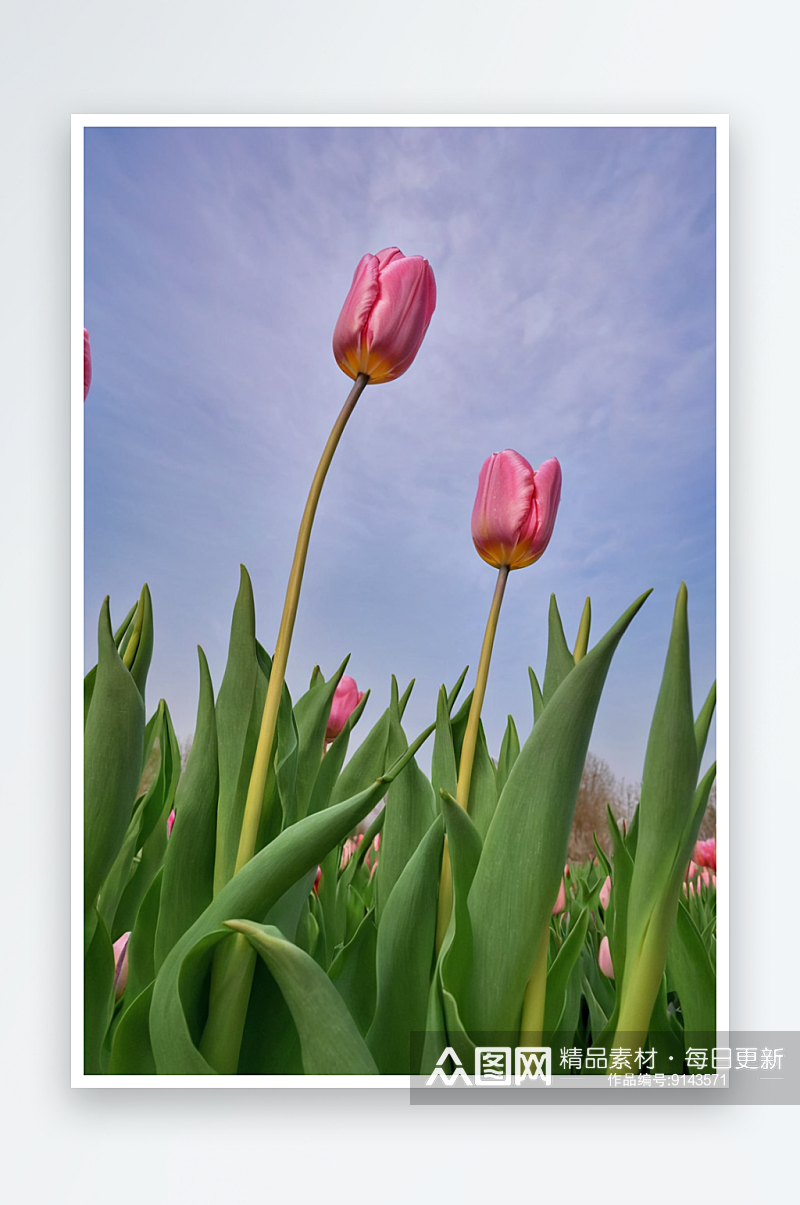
[275,907]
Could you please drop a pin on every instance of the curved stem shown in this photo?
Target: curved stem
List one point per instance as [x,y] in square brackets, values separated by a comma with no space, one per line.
[474,719]
[269,720]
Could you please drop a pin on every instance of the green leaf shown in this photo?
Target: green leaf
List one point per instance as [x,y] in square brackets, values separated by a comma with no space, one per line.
[410,811]
[187,887]
[330,1041]
[482,788]
[141,963]
[443,759]
[405,955]
[311,714]
[138,651]
[183,979]
[114,743]
[332,762]
[690,970]
[240,705]
[536,693]
[558,975]
[560,660]
[703,722]
[510,907]
[353,973]
[131,1053]
[509,752]
[98,995]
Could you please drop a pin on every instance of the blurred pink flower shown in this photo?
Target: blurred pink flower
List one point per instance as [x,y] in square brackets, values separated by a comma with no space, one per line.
[604,959]
[705,853]
[170,822]
[121,964]
[605,893]
[317,880]
[561,899]
[385,315]
[345,701]
[515,509]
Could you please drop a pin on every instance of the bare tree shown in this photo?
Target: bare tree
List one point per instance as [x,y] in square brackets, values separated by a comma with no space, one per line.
[599,790]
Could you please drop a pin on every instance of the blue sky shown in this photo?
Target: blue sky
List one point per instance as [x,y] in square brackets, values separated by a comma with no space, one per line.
[576,318]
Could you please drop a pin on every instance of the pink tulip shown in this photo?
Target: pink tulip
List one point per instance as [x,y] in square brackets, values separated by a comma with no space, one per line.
[170,822]
[87,363]
[515,509]
[349,848]
[605,893]
[604,959]
[705,853]
[317,878]
[345,701]
[561,901]
[121,964]
[385,315]
[714,881]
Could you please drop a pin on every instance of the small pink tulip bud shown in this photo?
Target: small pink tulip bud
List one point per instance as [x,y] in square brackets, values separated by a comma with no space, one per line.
[561,900]
[385,315]
[605,893]
[714,881]
[691,870]
[345,701]
[348,850]
[170,822]
[515,509]
[121,964]
[317,880]
[604,959]
[705,853]
[87,363]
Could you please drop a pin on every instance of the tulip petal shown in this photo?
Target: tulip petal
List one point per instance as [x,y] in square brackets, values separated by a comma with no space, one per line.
[347,335]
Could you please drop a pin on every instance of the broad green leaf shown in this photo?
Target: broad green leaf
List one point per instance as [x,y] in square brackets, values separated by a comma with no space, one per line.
[482,787]
[114,743]
[131,1053]
[405,956]
[138,650]
[98,996]
[188,883]
[329,1038]
[509,906]
[141,963]
[178,995]
[703,722]
[270,1042]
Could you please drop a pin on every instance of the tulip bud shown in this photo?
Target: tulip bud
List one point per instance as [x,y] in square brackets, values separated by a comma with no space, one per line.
[121,964]
[604,959]
[317,878]
[605,893]
[348,849]
[705,853]
[515,509]
[170,822]
[87,363]
[385,315]
[561,900]
[345,701]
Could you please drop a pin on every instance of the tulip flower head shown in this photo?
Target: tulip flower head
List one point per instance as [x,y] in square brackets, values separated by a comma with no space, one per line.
[515,509]
[87,363]
[605,893]
[604,959]
[385,315]
[345,701]
[121,964]
[170,822]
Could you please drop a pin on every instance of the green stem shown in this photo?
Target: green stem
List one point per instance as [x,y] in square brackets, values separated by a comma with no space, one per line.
[532,1021]
[474,719]
[269,720]
[445,905]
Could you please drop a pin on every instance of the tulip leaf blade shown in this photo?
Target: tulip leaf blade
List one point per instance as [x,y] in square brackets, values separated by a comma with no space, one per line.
[509,908]
[404,956]
[353,974]
[131,1052]
[560,660]
[329,1037]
